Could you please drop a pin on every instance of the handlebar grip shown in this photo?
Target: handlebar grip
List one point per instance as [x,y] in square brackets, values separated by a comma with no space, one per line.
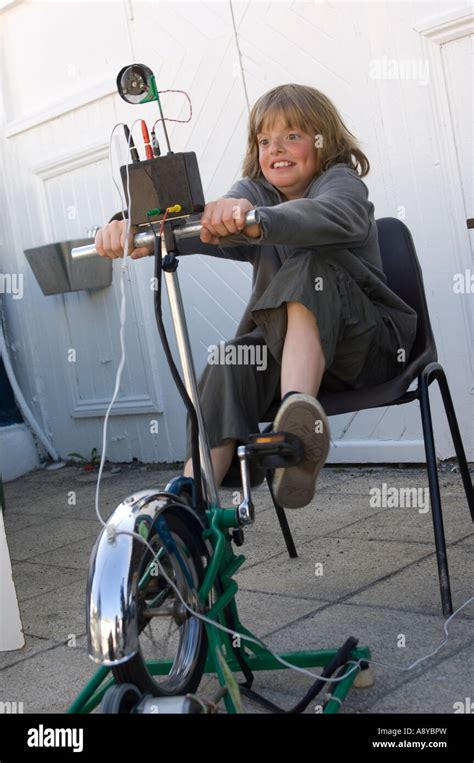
[188,230]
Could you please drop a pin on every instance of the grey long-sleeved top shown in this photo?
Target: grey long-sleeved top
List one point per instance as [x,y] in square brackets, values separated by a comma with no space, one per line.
[334,217]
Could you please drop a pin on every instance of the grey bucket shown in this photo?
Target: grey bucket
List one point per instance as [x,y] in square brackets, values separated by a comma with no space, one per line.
[57,272]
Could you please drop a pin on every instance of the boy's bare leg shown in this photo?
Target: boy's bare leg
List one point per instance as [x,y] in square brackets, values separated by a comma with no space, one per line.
[221,459]
[302,364]
[302,369]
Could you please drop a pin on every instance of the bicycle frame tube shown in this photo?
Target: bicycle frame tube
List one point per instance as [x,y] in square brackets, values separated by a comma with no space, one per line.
[190,382]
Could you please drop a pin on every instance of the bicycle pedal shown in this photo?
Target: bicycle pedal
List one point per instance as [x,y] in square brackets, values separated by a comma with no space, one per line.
[275,449]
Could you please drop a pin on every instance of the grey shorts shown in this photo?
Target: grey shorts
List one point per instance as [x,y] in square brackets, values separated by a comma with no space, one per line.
[358,341]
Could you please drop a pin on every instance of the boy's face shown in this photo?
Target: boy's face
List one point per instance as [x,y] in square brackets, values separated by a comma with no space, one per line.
[294,146]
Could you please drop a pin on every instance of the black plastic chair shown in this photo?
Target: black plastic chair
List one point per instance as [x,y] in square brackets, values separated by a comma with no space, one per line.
[404,277]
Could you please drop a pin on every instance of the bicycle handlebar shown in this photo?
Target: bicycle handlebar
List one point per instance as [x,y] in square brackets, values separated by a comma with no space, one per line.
[188,230]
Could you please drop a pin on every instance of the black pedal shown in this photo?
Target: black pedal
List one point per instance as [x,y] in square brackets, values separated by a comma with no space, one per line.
[275,449]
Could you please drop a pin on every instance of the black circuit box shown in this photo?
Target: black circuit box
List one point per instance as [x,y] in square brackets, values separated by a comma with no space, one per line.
[163,182]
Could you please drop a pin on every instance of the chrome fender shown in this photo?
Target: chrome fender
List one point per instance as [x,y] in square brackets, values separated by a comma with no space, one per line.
[112,633]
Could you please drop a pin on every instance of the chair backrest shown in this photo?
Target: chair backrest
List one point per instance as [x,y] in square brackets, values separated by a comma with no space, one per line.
[404,277]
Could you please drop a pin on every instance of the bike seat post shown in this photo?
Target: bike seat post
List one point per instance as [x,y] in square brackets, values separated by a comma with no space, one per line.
[210,490]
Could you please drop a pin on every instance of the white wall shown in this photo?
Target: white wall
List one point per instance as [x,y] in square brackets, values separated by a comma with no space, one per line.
[59,66]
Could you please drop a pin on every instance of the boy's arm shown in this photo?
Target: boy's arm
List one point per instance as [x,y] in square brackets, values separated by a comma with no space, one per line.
[339,213]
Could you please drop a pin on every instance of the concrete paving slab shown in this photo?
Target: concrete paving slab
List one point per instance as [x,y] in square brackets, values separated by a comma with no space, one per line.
[46,683]
[33,645]
[347,566]
[395,638]
[263,612]
[436,690]
[32,579]
[416,588]
[405,524]
[326,513]
[15,521]
[73,556]
[51,534]
[366,477]
[57,614]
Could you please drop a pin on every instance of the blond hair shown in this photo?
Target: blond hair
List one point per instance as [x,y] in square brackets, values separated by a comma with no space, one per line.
[309,110]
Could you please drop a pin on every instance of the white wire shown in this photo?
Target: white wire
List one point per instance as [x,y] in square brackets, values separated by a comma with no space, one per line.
[123,268]
[430,654]
[112,531]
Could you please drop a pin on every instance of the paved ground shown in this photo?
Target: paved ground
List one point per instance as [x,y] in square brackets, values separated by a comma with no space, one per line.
[378,583]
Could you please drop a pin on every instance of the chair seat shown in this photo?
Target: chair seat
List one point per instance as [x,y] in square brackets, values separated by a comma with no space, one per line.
[393,392]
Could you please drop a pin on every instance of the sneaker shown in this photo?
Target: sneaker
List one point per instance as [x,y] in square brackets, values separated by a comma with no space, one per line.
[294,486]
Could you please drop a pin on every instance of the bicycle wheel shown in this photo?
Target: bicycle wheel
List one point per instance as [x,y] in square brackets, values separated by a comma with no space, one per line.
[166,629]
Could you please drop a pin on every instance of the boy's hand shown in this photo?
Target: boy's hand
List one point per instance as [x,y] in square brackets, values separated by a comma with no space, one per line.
[226,217]
[110,241]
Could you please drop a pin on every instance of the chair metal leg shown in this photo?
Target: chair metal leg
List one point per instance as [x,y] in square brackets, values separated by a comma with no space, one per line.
[424,379]
[455,434]
[285,528]
[2,495]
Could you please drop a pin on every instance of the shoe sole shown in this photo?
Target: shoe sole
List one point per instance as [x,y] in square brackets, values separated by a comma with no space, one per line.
[294,486]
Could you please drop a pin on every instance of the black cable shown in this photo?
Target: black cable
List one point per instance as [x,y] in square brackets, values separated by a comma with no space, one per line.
[200,507]
[338,663]
[339,659]
[131,145]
